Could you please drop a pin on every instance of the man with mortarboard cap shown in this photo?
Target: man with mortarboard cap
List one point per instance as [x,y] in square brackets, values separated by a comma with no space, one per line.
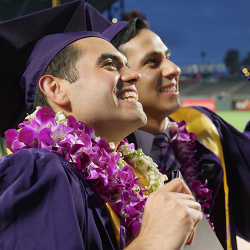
[224,151]
[64,187]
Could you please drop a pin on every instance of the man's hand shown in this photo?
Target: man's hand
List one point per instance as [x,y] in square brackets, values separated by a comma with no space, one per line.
[170,219]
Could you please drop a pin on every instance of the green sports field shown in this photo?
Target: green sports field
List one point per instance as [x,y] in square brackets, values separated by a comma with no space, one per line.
[238,119]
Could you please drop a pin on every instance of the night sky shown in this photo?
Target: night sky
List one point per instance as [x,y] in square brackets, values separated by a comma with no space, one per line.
[190,27]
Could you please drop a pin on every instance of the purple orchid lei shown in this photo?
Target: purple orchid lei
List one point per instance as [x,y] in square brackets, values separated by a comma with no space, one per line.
[112,179]
[183,145]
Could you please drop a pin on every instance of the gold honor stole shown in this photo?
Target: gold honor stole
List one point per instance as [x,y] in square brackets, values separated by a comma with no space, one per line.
[206,133]
[8,152]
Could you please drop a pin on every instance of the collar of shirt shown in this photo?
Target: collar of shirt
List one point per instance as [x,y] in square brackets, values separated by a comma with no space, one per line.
[145,139]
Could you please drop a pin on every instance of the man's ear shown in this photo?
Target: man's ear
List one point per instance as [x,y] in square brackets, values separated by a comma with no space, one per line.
[55,89]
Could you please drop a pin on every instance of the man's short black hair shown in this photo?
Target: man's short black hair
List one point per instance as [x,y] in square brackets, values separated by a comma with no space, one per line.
[129,32]
[63,66]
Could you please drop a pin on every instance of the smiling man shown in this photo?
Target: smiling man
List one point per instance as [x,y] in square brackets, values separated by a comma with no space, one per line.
[218,158]
[65,186]
[103,85]
[159,94]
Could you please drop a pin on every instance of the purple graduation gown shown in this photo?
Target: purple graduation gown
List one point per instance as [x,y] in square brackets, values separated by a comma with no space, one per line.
[46,204]
[236,149]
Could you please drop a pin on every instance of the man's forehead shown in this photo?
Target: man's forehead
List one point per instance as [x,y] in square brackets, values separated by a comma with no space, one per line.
[91,42]
[97,47]
[145,42]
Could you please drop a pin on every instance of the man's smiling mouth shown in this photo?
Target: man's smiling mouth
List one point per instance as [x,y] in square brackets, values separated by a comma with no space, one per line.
[128,96]
[169,89]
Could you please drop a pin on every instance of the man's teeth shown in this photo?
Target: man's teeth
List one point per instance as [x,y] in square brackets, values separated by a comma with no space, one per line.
[168,89]
[129,96]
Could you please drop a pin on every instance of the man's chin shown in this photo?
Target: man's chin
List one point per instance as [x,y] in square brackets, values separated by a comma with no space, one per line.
[174,109]
[143,120]
[138,120]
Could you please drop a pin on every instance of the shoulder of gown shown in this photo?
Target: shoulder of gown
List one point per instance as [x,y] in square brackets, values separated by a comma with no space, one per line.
[46,204]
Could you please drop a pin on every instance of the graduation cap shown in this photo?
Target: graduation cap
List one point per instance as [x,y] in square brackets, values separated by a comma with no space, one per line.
[114,29]
[27,46]
[95,21]
[107,28]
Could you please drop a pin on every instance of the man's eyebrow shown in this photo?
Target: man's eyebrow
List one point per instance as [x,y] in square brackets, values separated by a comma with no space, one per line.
[112,56]
[152,54]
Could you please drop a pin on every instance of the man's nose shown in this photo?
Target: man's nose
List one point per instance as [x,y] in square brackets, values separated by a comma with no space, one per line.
[129,75]
[170,69]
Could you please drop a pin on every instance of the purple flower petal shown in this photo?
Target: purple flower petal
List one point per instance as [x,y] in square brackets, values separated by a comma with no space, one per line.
[45,116]
[132,212]
[45,136]
[72,122]
[89,131]
[11,134]
[135,228]
[85,139]
[17,145]
[184,136]
[205,205]
[105,145]
[35,125]
[8,144]
[27,135]
[75,148]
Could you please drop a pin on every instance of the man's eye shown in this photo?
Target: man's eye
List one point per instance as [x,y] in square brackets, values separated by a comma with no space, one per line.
[110,64]
[151,60]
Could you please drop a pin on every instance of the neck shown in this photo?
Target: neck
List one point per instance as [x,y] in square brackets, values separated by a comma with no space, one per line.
[110,138]
[154,126]
[116,132]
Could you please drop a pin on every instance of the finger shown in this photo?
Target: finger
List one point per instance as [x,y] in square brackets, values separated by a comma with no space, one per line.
[176,185]
[199,218]
[190,239]
[181,196]
[190,204]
